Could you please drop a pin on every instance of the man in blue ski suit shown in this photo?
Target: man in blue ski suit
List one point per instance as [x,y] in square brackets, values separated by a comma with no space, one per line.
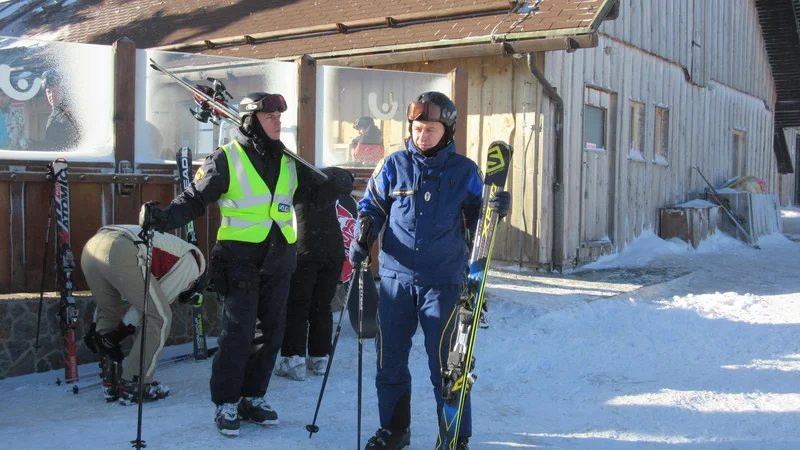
[425,196]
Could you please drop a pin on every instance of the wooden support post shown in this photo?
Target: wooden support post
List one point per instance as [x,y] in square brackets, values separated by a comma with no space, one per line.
[5,237]
[459,87]
[18,280]
[306,108]
[126,208]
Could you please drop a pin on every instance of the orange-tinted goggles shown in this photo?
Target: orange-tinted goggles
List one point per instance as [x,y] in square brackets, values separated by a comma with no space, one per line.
[424,111]
[272,103]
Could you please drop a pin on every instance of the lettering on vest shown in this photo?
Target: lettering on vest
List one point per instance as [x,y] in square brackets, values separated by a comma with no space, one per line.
[283,207]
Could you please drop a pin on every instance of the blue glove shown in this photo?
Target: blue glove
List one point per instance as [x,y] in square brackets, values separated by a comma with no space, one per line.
[357,253]
[501,203]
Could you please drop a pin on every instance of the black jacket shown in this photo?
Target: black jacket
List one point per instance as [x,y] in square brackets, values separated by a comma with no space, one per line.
[373,136]
[61,132]
[319,236]
[274,254]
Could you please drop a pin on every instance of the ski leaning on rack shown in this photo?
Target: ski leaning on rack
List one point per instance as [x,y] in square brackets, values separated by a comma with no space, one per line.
[457,375]
[726,207]
[184,160]
[65,261]
[214,107]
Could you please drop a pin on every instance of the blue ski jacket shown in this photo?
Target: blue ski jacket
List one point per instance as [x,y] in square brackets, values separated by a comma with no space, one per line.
[425,205]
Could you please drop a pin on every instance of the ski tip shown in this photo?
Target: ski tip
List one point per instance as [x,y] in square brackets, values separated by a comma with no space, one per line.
[502,145]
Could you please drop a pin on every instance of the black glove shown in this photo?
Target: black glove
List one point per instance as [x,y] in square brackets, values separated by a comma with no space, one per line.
[193,293]
[339,180]
[109,343]
[359,247]
[358,253]
[151,216]
[88,339]
[501,203]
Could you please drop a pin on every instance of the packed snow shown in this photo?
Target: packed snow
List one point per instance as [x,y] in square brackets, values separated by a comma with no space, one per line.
[661,346]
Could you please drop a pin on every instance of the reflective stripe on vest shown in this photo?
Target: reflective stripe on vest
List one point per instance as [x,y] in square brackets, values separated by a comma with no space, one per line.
[248,208]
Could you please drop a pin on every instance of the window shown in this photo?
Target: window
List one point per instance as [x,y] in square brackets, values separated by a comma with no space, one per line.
[737,156]
[594,128]
[205,139]
[662,136]
[636,151]
[361,114]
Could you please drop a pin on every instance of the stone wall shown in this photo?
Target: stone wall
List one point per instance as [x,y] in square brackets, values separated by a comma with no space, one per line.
[18,313]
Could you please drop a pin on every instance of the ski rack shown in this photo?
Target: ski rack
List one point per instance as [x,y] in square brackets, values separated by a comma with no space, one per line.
[725,207]
[227,113]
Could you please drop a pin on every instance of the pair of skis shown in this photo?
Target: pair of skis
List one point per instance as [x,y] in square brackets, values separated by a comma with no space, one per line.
[183,159]
[457,375]
[213,106]
[99,374]
[57,172]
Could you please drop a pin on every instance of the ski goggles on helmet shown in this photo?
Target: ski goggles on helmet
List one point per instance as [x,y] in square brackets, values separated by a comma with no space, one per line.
[425,111]
[269,103]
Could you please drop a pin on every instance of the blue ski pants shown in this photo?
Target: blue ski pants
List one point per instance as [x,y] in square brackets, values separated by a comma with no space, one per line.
[401,307]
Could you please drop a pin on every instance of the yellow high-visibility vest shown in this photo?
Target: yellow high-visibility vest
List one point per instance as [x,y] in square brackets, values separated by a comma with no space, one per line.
[248,208]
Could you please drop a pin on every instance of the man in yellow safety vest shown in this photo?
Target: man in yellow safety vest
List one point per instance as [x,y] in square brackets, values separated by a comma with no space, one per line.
[256,186]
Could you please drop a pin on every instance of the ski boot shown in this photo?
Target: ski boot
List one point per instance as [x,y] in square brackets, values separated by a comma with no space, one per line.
[129,391]
[317,364]
[227,419]
[386,439]
[256,410]
[292,367]
[111,371]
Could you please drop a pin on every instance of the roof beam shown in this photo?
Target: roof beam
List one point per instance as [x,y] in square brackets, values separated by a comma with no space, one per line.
[545,44]
[488,8]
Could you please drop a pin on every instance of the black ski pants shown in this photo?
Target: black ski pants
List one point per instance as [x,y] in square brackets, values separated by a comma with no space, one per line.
[243,364]
[308,313]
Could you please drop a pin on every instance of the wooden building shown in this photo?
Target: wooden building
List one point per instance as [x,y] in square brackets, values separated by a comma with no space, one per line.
[609,104]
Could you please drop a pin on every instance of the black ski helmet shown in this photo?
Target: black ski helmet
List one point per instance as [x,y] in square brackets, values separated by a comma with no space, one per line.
[444,112]
[259,101]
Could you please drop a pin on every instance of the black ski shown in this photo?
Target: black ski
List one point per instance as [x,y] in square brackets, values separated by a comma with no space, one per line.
[185,170]
[457,375]
[67,311]
[726,207]
[213,107]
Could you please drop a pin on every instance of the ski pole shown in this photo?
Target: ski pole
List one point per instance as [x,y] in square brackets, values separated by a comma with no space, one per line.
[364,268]
[148,232]
[44,260]
[313,428]
[363,240]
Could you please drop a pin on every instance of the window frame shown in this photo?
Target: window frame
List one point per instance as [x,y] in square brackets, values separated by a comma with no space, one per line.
[661,135]
[639,126]
[604,145]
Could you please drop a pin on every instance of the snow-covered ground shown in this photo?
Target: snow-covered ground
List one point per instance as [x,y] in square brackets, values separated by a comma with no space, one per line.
[705,355]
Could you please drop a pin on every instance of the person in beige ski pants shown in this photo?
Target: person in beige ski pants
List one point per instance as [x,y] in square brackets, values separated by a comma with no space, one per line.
[113,262]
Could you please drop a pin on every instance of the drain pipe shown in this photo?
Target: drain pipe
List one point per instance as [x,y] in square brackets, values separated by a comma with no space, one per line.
[556,262]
